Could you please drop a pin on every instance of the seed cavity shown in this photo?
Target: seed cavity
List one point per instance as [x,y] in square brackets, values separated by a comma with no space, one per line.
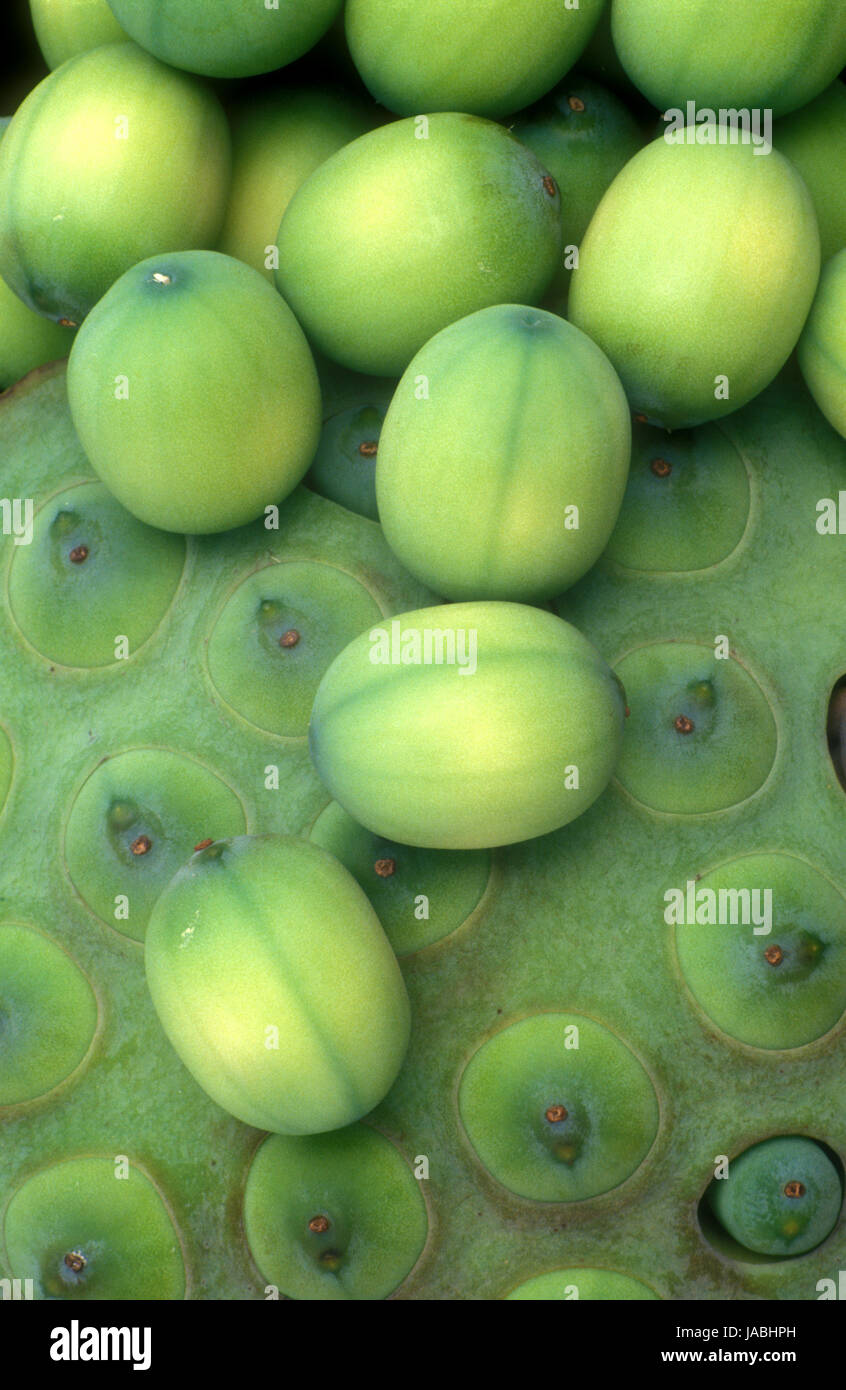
[556,1113]
[774,954]
[289,638]
[79,554]
[142,845]
[385,867]
[319,1225]
[683,725]
[369,448]
[331,1259]
[661,468]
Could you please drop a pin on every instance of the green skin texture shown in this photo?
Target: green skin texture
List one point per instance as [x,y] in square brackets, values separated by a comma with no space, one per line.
[730,53]
[428,756]
[751,1205]
[528,1067]
[727,754]
[525,420]
[396,236]
[74,612]
[700,262]
[27,339]
[226,38]
[277,143]
[573,1284]
[119,1224]
[267,932]
[785,1005]
[814,140]
[65,28]
[573,921]
[687,519]
[79,206]
[454,882]
[271,685]
[154,792]
[822,347]
[445,55]
[223,413]
[584,151]
[38,1046]
[356,1179]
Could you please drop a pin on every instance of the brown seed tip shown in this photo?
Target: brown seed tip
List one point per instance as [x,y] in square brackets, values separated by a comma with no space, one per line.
[550,185]
[774,954]
[640,419]
[68,323]
[79,554]
[682,724]
[204,844]
[75,1261]
[142,845]
[575,104]
[794,1189]
[319,1225]
[369,448]
[385,867]
[555,1114]
[289,638]
[661,468]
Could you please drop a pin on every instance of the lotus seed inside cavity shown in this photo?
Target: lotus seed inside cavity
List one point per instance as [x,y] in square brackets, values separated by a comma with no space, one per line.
[385,867]
[142,845]
[79,554]
[289,638]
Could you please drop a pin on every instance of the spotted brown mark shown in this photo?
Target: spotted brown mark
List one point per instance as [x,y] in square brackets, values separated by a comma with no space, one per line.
[289,638]
[385,867]
[79,554]
[142,845]
[683,725]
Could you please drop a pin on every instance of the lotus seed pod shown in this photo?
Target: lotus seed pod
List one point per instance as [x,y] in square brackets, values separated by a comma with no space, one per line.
[701,735]
[84,191]
[730,53]
[557,1108]
[699,343]
[420,895]
[48,1014]
[406,52]
[467,726]
[223,420]
[781,1197]
[505,480]
[822,347]
[226,38]
[571,1284]
[275,982]
[411,227]
[84,1229]
[334,1216]
[762,948]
